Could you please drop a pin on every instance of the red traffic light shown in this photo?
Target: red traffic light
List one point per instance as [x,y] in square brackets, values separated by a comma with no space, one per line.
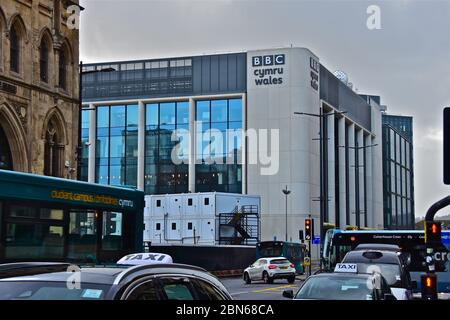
[432,232]
[429,286]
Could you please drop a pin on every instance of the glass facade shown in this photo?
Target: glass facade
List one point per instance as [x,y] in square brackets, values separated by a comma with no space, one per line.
[164,172]
[398,177]
[85,144]
[116,145]
[218,145]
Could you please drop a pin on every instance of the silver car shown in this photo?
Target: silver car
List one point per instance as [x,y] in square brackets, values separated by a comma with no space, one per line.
[268,269]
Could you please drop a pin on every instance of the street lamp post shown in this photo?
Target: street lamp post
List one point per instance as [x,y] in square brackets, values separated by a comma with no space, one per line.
[286,193]
[80,111]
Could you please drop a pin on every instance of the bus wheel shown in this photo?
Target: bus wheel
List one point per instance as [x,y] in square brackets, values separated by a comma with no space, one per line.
[266,278]
[247,278]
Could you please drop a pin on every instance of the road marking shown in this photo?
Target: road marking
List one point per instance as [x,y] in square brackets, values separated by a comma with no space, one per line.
[236,293]
[274,288]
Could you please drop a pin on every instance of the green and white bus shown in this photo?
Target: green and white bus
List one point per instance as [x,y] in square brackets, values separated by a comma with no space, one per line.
[52,219]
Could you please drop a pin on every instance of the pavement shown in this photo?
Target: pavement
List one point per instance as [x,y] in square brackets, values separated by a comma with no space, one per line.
[258,290]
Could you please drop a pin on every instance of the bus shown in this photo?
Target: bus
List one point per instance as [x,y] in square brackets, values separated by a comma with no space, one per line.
[412,242]
[51,219]
[294,252]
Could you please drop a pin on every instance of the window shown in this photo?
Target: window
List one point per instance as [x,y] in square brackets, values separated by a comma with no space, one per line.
[14,49]
[190,202]
[177,289]
[174,226]
[51,214]
[144,291]
[82,239]
[207,291]
[116,150]
[158,226]
[206,201]
[43,60]
[112,231]
[158,203]
[219,145]
[62,69]
[22,212]
[189,225]
[163,120]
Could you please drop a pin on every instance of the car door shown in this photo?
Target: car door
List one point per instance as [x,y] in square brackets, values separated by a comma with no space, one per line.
[252,271]
[261,268]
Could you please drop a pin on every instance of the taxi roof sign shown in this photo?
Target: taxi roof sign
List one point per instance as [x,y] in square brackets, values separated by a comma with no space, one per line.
[145,258]
[346,268]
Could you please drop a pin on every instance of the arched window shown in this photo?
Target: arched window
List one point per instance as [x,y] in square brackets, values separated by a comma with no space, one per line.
[5,152]
[43,60]
[62,69]
[54,151]
[14,49]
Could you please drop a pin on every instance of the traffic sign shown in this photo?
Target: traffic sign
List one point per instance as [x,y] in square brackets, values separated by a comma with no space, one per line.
[306,261]
[316,240]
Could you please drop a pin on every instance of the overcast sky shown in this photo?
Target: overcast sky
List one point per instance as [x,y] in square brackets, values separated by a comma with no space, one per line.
[406,62]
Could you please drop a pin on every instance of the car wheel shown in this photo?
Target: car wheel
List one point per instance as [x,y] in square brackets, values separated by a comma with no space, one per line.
[291,279]
[247,278]
[266,278]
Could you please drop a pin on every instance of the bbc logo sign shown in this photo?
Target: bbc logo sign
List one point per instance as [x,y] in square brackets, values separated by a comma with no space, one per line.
[259,61]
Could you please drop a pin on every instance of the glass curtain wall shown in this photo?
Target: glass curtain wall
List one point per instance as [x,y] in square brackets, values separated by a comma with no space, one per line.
[166,159]
[218,145]
[116,146]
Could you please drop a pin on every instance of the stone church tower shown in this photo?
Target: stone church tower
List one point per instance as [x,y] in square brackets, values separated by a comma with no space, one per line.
[39,86]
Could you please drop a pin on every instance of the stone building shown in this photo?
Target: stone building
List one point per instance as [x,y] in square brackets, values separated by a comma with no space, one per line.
[39,87]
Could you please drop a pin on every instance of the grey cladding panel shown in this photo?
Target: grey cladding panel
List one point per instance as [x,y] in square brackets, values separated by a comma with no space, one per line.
[219,74]
[342,97]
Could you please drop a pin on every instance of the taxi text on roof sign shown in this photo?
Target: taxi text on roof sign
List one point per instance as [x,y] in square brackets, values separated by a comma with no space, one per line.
[145,258]
[346,268]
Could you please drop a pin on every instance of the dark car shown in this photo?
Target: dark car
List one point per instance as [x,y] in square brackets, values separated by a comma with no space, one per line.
[342,286]
[389,264]
[62,281]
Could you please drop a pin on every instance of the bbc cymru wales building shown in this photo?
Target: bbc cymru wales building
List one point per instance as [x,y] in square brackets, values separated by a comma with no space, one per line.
[132,109]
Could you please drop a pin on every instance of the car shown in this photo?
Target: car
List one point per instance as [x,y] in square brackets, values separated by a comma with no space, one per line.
[268,269]
[132,281]
[405,256]
[348,285]
[389,264]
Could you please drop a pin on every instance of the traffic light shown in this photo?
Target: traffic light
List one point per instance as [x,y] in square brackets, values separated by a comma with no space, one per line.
[432,232]
[429,286]
[308,228]
[300,235]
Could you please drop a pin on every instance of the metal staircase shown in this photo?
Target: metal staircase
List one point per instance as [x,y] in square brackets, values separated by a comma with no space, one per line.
[239,227]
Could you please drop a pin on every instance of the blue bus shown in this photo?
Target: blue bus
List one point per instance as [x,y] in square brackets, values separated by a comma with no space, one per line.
[294,252]
[338,242]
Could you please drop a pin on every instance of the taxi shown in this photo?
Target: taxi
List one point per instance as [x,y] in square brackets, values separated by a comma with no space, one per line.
[346,283]
[141,276]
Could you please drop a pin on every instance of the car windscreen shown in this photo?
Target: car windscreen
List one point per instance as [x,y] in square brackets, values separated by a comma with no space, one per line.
[391,272]
[34,290]
[336,288]
[279,261]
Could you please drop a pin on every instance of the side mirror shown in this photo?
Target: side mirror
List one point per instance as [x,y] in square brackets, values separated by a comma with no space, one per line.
[288,294]
[389,296]
[414,285]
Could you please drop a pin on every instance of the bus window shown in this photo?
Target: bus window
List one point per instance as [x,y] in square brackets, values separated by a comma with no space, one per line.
[112,231]
[34,240]
[82,240]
